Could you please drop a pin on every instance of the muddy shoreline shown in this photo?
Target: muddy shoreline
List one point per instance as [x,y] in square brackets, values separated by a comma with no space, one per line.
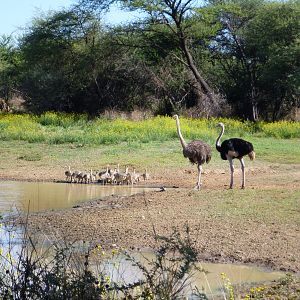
[221,229]
[128,222]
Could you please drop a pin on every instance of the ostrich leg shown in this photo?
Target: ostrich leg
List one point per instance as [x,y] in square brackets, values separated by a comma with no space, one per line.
[243,173]
[197,187]
[231,171]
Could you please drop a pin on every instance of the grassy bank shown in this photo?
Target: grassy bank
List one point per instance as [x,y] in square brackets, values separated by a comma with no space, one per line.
[54,128]
[21,159]
[40,147]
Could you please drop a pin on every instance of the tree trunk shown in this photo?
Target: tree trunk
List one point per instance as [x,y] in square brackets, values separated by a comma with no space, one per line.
[190,62]
[253,95]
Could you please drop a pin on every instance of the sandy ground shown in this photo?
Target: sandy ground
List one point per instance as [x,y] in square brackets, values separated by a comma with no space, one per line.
[130,222]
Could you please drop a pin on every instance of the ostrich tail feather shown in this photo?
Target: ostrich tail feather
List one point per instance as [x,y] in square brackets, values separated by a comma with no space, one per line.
[251,155]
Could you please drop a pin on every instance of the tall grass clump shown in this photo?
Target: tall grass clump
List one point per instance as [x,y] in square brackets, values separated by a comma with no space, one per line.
[60,128]
[21,127]
[119,130]
[62,119]
[238,128]
[282,129]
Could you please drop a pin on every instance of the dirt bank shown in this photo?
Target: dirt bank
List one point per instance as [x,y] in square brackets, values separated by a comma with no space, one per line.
[221,229]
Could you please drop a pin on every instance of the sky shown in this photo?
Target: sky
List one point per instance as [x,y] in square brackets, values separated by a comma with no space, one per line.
[16,14]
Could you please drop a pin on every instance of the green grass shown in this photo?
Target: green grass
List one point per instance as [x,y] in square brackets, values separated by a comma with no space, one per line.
[57,128]
[51,142]
[256,205]
[276,150]
[31,156]
[152,155]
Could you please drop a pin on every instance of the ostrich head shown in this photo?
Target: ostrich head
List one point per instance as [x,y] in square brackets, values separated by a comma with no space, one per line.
[221,125]
[175,117]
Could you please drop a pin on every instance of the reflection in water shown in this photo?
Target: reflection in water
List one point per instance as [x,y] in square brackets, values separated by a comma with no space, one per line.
[44,196]
[122,270]
[41,196]
[237,274]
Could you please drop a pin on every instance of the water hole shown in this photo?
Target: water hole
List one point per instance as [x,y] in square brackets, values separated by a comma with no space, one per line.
[43,196]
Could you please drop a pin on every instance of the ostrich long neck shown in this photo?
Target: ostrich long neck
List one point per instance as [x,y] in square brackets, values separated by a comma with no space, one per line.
[182,141]
[218,142]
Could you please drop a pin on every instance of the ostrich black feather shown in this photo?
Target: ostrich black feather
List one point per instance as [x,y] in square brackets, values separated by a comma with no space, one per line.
[236,147]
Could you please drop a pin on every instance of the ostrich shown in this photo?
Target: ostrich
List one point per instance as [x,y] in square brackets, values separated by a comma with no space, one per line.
[146,175]
[198,152]
[121,177]
[75,175]
[104,175]
[135,176]
[234,148]
[68,174]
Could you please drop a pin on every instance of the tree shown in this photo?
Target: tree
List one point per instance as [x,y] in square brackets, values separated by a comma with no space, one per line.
[166,61]
[54,70]
[169,28]
[9,63]
[256,46]
[275,33]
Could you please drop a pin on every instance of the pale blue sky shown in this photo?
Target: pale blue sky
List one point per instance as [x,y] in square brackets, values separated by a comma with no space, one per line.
[15,14]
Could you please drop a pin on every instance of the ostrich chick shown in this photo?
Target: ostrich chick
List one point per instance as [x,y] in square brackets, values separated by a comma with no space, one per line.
[68,174]
[198,152]
[234,148]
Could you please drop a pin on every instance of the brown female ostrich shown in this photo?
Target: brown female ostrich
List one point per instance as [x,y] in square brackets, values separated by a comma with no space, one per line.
[198,152]
[234,148]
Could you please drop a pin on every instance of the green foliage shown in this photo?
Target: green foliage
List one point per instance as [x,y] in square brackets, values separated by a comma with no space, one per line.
[66,272]
[72,65]
[29,275]
[62,119]
[248,50]
[257,49]
[283,129]
[167,275]
[9,63]
[72,271]
[31,157]
[286,288]
[56,128]
[21,127]
[55,67]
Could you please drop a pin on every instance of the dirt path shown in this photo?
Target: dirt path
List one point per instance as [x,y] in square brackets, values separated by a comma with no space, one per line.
[221,230]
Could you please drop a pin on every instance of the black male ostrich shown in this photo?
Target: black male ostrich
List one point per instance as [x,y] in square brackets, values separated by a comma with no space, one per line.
[198,152]
[234,148]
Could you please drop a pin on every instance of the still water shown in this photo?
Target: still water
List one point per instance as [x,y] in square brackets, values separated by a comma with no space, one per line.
[210,282]
[42,196]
